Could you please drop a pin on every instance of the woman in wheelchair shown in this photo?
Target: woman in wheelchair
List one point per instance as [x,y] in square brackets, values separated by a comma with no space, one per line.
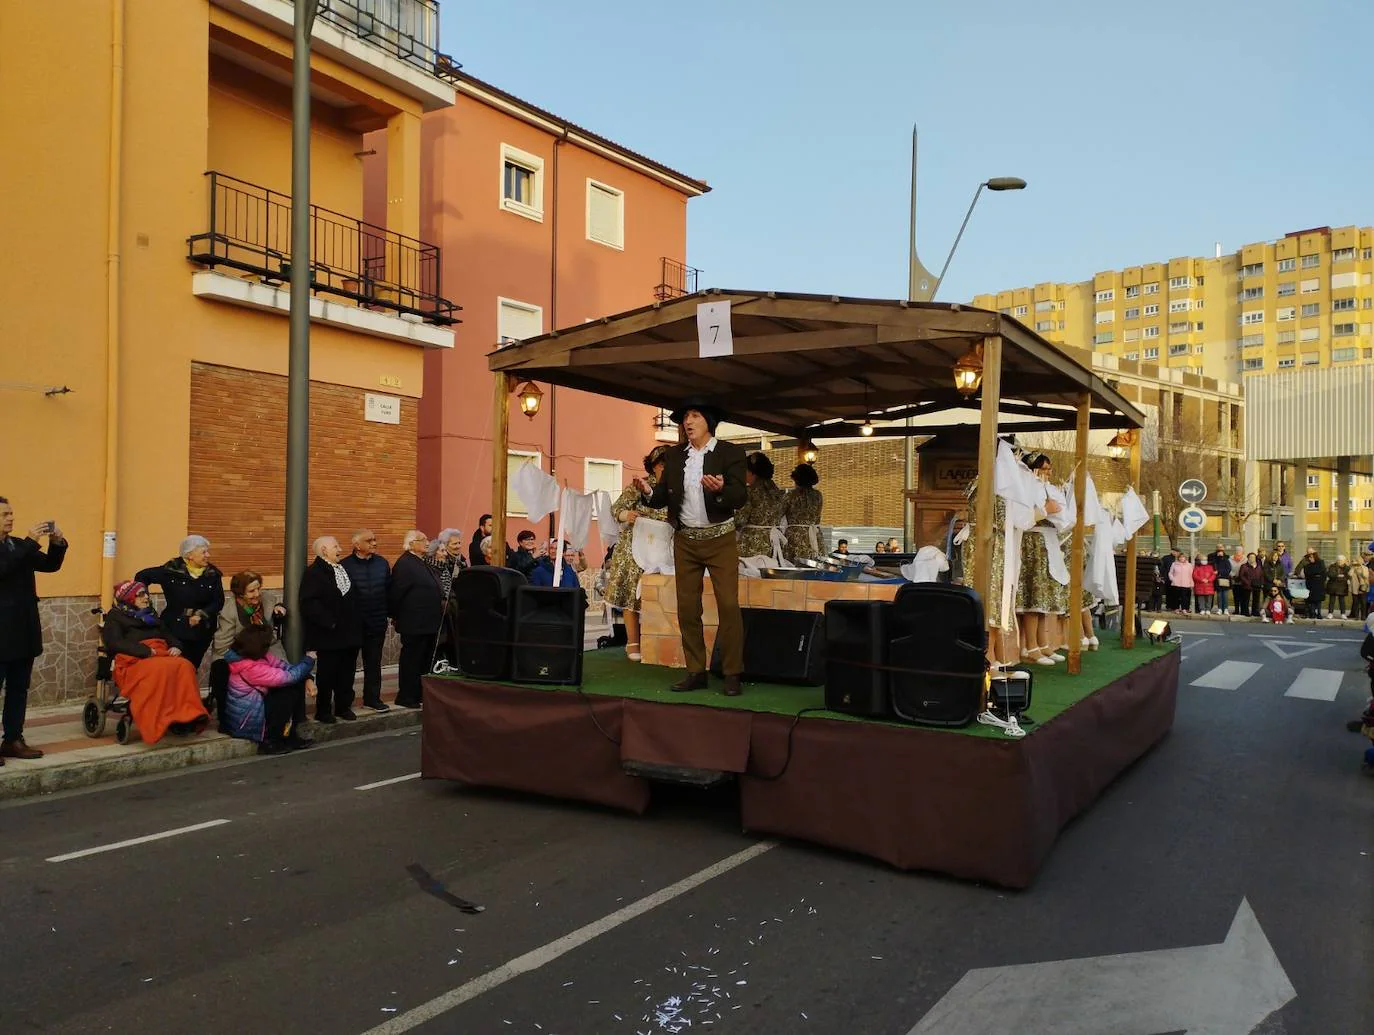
[266,693]
[149,670]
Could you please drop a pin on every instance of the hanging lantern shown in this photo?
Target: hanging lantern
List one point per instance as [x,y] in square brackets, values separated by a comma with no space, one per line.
[1119,447]
[867,430]
[968,371]
[809,453]
[530,398]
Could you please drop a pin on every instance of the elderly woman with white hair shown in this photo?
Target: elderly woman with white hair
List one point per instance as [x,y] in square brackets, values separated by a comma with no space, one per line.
[194,592]
[333,626]
[416,605]
[445,556]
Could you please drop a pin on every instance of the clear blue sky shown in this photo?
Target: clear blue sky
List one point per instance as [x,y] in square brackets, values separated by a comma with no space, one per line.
[1145,130]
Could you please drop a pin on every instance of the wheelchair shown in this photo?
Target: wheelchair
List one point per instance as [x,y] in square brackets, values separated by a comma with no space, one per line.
[107,698]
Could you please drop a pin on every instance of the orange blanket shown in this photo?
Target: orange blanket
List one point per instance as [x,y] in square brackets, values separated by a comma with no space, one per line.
[161,690]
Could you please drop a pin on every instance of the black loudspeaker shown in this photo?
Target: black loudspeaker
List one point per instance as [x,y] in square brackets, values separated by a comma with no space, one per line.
[1009,693]
[937,653]
[548,625]
[483,602]
[856,679]
[780,646]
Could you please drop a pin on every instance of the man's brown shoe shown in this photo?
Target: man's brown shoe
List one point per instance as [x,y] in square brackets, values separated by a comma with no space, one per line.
[18,749]
[732,686]
[693,681]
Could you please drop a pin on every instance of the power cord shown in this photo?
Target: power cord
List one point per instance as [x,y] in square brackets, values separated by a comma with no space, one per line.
[787,761]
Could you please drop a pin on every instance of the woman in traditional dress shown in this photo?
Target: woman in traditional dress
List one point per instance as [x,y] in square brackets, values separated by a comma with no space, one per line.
[1041,598]
[149,668]
[622,582]
[801,510]
[759,518]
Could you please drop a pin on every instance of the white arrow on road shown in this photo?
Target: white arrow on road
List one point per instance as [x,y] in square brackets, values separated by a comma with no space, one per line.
[1224,989]
[1293,648]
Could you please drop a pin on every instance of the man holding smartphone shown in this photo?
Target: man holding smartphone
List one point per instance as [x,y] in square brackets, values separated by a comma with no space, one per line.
[21,636]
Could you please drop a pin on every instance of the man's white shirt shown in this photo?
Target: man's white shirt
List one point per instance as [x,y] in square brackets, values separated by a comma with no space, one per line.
[693,512]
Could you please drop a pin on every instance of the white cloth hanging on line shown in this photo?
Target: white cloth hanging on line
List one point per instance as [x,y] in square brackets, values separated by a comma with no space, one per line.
[576,514]
[537,490]
[1133,512]
[606,523]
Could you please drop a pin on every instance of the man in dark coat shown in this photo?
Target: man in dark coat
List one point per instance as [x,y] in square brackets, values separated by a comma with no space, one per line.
[371,577]
[21,635]
[417,611]
[333,627]
[703,484]
[475,547]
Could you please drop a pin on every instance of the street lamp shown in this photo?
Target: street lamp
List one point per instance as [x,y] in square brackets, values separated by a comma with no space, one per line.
[530,397]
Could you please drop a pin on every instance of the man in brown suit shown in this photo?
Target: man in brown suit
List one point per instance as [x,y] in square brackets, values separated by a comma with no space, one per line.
[702,487]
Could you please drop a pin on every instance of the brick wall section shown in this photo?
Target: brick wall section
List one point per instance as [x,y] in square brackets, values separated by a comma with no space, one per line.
[861,482]
[361,473]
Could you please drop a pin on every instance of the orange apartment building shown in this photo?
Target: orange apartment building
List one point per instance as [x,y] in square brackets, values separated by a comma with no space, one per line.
[542,224]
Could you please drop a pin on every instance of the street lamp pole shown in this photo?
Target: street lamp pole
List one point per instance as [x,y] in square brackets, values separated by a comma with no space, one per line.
[921,287]
[298,364]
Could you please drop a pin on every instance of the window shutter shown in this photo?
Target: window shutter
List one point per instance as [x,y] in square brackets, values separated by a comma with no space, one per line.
[604,215]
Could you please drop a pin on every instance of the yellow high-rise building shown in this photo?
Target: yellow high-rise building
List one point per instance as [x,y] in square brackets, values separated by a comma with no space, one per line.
[1306,300]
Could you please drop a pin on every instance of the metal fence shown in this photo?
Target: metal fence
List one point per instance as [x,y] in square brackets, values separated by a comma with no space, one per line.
[407,29]
[676,279]
[250,230]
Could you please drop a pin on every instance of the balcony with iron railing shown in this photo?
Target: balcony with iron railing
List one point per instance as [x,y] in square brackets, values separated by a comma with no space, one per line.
[249,230]
[405,29]
[675,280]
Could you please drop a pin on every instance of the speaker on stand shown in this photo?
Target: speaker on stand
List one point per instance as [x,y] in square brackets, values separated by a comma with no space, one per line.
[549,625]
[780,646]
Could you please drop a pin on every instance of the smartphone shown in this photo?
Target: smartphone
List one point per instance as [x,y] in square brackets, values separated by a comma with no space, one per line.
[48,526]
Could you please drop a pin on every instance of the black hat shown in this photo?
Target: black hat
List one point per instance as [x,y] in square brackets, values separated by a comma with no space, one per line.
[711,413]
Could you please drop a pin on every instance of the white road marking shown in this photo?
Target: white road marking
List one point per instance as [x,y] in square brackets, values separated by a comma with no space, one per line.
[1316,684]
[387,783]
[1288,649]
[1229,675]
[1190,632]
[137,841]
[1345,639]
[536,958]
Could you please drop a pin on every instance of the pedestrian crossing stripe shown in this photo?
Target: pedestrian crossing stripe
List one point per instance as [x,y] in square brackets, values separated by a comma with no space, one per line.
[1311,684]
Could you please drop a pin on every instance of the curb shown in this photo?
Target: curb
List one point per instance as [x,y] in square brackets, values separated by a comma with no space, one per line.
[17,781]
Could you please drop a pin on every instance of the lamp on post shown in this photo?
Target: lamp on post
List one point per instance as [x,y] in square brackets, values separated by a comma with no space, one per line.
[921,287]
[530,398]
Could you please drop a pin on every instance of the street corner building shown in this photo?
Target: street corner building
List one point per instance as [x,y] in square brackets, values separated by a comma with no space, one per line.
[146,368]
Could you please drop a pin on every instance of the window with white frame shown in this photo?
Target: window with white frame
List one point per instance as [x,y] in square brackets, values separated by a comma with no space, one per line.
[1132,356]
[1106,316]
[516,321]
[1043,307]
[1131,334]
[1284,337]
[1150,289]
[1314,504]
[1342,305]
[1310,359]
[1200,302]
[1310,286]
[1367,504]
[1286,312]
[1313,480]
[1312,309]
[1287,265]
[1021,310]
[1179,283]
[1342,355]
[1342,330]
[602,476]
[1253,363]
[1251,293]
[516,459]
[1343,280]
[1178,350]
[1343,255]
[1287,288]
[1044,325]
[1252,317]
[1310,334]
[1248,341]
[1152,352]
[1197,326]
[1133,291]
[1180,328]
[605,214]
[522,183]
[1150,332]
[1311,262]
[1133,313]
[1061,325]
[1152,309]
[1198,349]
[1105,338]
[1180,305]
[1285,362]
[1105,296]
[1254,269]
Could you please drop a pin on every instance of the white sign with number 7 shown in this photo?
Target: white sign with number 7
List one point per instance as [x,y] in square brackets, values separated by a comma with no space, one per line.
[713,330]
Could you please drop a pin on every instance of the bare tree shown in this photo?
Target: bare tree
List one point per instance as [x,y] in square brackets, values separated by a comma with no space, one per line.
[1184,457]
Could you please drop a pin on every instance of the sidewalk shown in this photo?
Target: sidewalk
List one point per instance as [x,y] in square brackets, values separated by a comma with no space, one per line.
[72,760]
[1325,623]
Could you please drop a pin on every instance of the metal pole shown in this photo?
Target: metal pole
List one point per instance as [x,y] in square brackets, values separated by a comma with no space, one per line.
[957,238]
[919,289]
[298,383]
[1154,524]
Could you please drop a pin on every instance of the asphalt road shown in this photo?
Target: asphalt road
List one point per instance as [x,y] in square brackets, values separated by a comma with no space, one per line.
[298,913]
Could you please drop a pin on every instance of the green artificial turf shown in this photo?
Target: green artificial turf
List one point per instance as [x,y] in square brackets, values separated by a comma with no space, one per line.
[607,672]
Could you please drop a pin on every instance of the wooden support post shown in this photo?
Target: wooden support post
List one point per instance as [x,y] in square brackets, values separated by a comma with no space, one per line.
[1128,597]
[500,447]
[987,464]
[1074,615]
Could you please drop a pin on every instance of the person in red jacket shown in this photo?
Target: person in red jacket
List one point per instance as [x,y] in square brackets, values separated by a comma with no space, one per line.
[1204,585]
[1277,609]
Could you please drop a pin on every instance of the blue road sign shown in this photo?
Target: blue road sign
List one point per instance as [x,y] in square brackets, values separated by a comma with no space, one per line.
[1192,492]
[1192,520]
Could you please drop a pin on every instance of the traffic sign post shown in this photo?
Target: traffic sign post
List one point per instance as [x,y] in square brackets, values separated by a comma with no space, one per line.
[1193,491]
[1192,520]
